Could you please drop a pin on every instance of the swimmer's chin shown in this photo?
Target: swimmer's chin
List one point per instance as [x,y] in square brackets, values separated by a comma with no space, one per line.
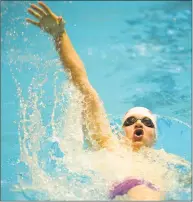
[136,146]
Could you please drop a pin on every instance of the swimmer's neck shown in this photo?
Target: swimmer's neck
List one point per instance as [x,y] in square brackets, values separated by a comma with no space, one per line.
[135,146]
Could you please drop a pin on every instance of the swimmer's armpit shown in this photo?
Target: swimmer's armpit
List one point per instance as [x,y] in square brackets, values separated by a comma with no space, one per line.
[105,141]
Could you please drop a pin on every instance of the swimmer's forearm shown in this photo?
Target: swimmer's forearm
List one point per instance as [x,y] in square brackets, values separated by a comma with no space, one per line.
[70,59]
[73,64]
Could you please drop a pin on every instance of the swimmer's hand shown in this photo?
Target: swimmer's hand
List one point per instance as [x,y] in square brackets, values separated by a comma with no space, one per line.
[48,21]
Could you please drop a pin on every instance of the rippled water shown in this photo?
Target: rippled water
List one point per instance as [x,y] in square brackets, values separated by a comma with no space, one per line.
[135,54]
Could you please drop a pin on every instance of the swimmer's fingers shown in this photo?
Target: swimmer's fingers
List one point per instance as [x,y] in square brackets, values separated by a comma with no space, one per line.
[33,22]
[46,8]
[38,10]
[35,14]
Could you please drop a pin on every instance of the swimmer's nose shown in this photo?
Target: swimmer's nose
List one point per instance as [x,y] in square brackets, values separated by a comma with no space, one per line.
[138,124]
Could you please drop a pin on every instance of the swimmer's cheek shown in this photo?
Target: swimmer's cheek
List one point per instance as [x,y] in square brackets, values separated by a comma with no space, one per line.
[141,193]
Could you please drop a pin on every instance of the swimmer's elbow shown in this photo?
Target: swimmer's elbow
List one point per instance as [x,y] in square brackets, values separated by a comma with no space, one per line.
[83,84]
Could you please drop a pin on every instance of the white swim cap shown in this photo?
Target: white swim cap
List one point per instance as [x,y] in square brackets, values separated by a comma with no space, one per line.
[142,111]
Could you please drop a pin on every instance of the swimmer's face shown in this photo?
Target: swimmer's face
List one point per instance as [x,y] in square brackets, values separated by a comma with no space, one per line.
[139,127]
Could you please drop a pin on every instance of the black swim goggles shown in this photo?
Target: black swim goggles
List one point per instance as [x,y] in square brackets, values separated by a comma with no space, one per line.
[146,121]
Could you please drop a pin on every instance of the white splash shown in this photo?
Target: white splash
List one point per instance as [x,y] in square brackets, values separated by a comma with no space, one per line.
[59,167]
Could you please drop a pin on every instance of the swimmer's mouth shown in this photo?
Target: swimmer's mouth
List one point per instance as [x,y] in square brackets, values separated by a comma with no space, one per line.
[138,134]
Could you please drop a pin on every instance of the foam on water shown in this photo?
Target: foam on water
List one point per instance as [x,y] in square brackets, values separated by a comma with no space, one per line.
[58,165]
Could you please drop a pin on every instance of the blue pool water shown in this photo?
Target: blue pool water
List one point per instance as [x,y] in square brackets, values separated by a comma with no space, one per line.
[135,54]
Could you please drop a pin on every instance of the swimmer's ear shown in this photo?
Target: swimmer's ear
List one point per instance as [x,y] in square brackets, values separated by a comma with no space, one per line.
[155,116]
[156,132]
[155,120]
[155,139]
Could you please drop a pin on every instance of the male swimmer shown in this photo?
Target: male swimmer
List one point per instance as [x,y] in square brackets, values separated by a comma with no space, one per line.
[139,124]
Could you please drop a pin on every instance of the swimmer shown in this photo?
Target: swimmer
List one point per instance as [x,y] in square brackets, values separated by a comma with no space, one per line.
[139,124]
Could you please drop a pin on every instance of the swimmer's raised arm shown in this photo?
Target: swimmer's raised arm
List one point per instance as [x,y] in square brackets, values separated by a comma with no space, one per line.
[95,119]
